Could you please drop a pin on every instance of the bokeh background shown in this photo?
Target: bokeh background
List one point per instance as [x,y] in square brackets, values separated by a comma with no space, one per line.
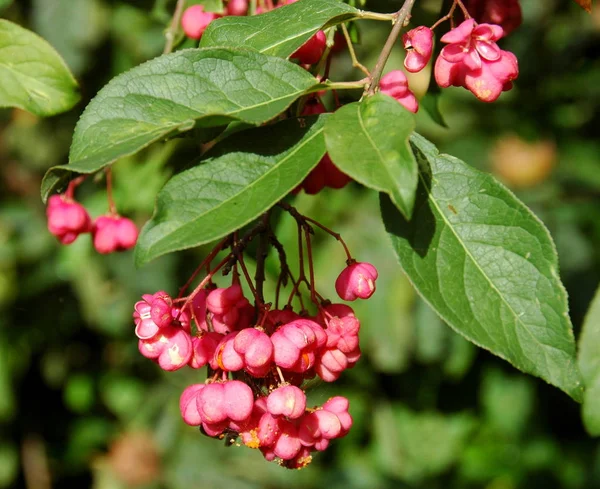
[80,407]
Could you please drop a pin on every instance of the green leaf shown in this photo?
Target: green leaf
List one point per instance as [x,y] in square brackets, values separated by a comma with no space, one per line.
[589,363]
[34,76]
[431,104]
[175,93]
[281,31]
[368,140]
[242,177]
[488,266]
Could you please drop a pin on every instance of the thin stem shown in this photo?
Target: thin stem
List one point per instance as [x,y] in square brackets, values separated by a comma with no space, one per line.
[261,254]
[205,262]
[366,15]
[280,374]
[337,236]
[257,299]
[346,85]
[252,9]
[326,54]
[109,193]
[355,62]
[463,8]
[173,27]
[73,184]
[202,284]
[302,275]
[450,13]
[311,267]
[401,18]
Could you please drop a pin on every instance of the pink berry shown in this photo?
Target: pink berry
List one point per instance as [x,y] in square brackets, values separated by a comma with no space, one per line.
[339,406]
[198,310]
[473,60]
[221,301]
[195,21]
[171,348]
[395,85]
[226,357]
[296,343]
[287,445]
[211,404]
[419,45]
[203,350]
[268,430]
[315,180]
[257,350]
[67,219]
[301,460]
[288,401]
[237,7]
[356,280]
[312,50]
[188,406]
[277,317]
[160,310]
[313,107]
[114,233]
[334,177]
[238,400]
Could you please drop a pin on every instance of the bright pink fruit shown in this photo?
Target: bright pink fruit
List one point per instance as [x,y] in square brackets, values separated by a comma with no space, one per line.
[114,233]
[203,350]
[473,60]
[188,406]
[237,7]
[195,21]
[67,219]
[312,50]
[356,280]
[296,343]
[395,85]
[288,401]
[171,348]
[418,43]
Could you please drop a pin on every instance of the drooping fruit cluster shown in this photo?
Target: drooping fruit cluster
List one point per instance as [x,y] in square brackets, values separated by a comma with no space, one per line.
[67,219]
[471,59]
[258,358]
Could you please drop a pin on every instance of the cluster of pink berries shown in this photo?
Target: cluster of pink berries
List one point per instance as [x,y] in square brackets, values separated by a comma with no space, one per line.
[67,219]
[471,59]
[254,390]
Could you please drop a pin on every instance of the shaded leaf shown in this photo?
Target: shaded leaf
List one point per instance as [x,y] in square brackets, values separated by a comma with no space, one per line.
[368,140]
[34,76]
[431,104]
[589,363]
[488,267]
[242,177]
[281,31]
[175,93]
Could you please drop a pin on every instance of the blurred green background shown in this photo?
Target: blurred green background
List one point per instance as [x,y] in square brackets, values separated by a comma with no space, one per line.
[80,407]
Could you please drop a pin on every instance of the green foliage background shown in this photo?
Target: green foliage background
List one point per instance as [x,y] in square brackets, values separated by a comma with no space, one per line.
[430,410]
